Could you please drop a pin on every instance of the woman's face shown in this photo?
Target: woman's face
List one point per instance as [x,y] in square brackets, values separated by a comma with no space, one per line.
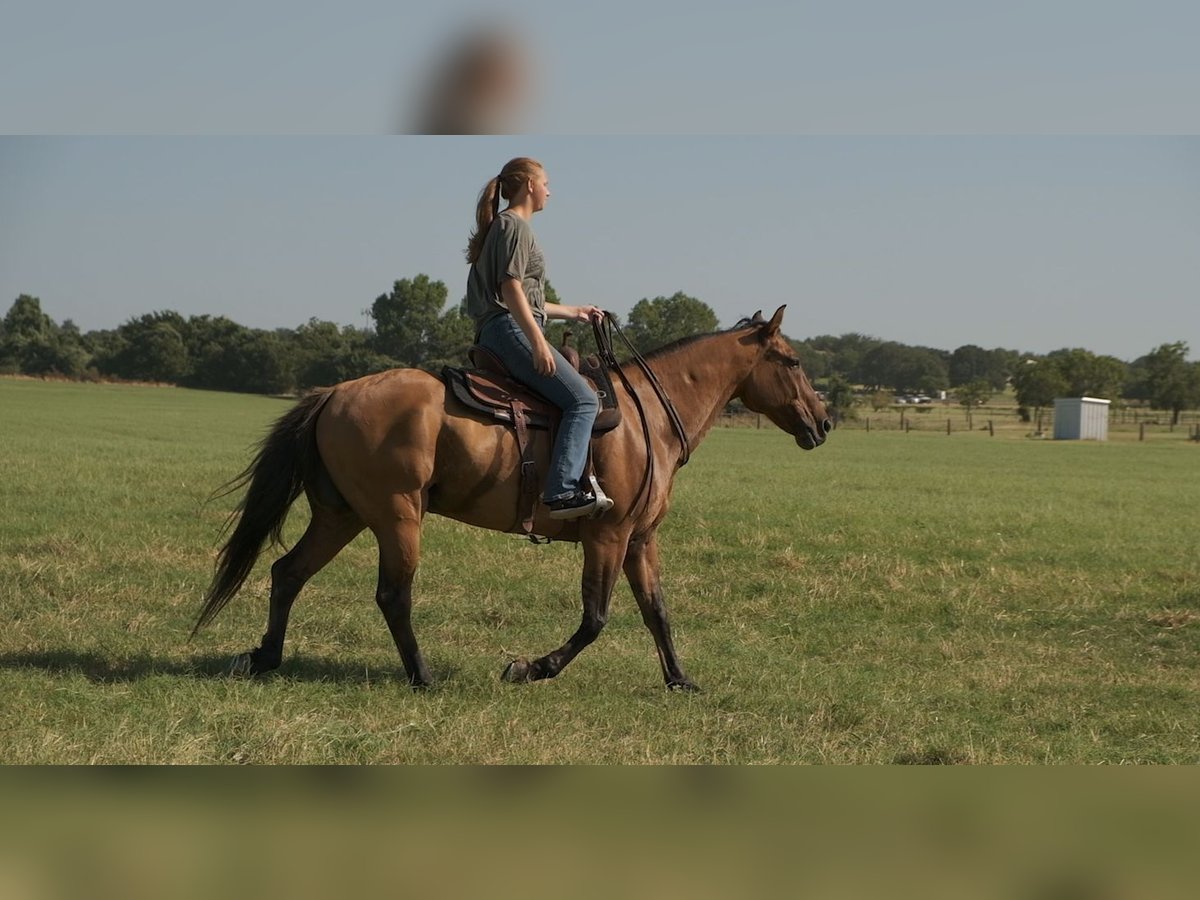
[539,191]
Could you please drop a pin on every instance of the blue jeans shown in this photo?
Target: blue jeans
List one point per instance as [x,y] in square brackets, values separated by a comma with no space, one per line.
[566,389]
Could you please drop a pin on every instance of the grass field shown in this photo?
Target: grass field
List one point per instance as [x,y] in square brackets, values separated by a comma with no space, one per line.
[891,597]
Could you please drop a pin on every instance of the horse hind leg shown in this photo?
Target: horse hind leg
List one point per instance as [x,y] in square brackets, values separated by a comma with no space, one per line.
[399,553]
[326,535]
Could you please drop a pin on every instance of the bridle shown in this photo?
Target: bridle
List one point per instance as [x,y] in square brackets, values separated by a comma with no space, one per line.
[603,328]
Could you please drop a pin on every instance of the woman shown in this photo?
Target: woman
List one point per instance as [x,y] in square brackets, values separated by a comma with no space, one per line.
[505,297]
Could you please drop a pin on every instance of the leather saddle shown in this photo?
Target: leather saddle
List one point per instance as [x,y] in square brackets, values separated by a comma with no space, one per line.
[487,388]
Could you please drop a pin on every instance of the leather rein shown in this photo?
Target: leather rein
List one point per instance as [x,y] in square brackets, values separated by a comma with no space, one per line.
[602,330]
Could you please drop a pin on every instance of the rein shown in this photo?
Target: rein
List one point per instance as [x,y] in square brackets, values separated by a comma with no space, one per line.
[604,345]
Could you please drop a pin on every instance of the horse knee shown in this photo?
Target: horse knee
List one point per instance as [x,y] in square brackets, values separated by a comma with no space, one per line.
[593,623]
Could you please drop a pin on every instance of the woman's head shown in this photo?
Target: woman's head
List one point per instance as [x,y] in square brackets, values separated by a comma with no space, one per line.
[519,178]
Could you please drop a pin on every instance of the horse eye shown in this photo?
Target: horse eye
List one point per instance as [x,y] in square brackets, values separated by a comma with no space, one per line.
[792,363]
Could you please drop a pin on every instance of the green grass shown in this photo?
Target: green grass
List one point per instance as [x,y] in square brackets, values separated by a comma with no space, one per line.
[889,598]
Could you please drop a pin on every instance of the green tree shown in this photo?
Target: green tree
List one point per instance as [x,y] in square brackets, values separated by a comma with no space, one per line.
[839,398]
[971,395]
[407,320]
[970,362]
[27,337]
[903,368]
[452,337]
[325,354]
[150,348]
[1170,381]
[1089,375]
[654,323]
[1037,382]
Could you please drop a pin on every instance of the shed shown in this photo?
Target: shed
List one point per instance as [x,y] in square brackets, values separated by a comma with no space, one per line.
[1080,419]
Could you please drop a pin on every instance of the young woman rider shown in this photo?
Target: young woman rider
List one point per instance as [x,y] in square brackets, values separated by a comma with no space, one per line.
[505,297]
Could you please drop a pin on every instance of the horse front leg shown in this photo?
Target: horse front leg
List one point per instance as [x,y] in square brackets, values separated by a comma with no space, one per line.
[642,570]
[602,555]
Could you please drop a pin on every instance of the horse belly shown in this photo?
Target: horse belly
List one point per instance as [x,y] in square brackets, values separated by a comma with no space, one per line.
[477,476]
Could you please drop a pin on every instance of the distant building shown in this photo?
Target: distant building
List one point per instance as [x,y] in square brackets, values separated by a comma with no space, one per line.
[1080,419]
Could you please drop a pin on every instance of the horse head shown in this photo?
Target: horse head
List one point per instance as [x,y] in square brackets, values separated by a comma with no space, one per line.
[778,388]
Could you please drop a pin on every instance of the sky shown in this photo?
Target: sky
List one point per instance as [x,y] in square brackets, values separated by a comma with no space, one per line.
[1026,242]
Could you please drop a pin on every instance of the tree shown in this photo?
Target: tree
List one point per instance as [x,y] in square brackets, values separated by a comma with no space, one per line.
[1037,383]
[839,398]
[971,395]
[1089,375]
[26,337]
[151,348]
[654,323]
[845,353]
[903,368]
[1169,380]
[970,362]
[407,320]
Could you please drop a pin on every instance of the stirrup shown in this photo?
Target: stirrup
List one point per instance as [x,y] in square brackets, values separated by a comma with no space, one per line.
[603,502]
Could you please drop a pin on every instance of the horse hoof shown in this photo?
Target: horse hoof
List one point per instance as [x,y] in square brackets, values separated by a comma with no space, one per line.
[241,666]
[686,686]
[517,672]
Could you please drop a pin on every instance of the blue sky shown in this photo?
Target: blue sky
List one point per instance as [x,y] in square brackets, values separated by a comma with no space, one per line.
[617,67]
[1027,242]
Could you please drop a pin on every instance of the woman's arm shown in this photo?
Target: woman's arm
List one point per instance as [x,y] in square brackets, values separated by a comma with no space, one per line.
[518,305]
[573,313]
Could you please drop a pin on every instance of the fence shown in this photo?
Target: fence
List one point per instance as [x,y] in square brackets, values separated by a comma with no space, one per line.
[947,417]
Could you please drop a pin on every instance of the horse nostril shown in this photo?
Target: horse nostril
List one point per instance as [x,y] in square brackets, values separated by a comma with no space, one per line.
[826,426]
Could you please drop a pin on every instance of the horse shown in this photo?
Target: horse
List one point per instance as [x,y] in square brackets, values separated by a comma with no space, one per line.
[383,451]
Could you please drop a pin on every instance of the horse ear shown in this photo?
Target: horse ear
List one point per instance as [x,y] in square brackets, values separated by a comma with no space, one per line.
[757,317]
[776,320]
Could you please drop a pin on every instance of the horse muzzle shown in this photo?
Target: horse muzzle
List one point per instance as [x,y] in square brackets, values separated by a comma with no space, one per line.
[810,437]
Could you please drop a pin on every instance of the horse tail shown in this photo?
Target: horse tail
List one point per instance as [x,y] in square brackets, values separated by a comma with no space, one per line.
[276,477]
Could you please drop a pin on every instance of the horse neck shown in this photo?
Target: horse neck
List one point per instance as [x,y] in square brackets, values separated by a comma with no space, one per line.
[701,377]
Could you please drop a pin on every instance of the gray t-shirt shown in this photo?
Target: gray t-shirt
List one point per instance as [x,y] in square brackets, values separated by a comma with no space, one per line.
[510,250]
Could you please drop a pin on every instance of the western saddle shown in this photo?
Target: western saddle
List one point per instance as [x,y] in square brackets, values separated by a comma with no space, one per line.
[488,388]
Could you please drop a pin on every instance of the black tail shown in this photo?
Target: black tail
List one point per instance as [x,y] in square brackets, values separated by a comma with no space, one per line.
[276,477]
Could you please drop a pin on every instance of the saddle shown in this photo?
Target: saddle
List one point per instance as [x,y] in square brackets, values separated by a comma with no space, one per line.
[487,388]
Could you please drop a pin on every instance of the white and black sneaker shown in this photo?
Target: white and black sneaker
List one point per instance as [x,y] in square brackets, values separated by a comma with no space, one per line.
[573,506]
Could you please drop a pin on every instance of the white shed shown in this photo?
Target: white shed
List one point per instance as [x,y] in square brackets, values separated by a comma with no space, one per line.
[1080,419]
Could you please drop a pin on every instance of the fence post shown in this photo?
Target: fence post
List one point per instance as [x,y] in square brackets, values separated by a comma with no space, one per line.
[947,426]
[1141,431]
[991,430]
[868,424]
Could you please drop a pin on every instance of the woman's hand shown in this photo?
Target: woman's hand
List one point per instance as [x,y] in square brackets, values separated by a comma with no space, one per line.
[543,359]
[587,313]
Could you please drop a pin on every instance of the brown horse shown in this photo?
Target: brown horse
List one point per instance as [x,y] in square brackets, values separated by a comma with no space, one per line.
[382,451]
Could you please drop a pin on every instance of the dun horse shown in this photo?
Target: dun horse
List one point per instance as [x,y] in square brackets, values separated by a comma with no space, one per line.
[383,451]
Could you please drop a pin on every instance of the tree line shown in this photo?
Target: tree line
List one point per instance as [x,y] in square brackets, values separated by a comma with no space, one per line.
[413,325]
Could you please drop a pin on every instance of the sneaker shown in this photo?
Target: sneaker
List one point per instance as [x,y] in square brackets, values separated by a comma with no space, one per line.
[574,506]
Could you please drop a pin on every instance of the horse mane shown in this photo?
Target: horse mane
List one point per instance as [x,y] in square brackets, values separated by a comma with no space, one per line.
[693,338]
